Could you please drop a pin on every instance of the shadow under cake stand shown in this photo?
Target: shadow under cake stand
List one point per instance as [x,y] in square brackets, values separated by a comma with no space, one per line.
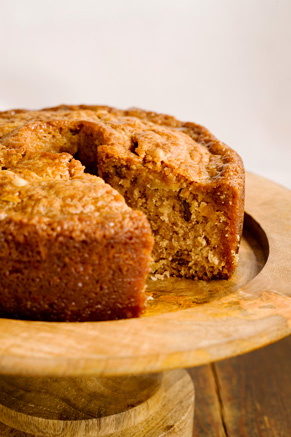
[116,378]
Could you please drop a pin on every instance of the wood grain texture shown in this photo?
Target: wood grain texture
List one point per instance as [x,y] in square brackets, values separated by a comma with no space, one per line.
[256,391]
[202,323]
[245,396]
[207,416]
[81,398]
[6,431]
[152,405]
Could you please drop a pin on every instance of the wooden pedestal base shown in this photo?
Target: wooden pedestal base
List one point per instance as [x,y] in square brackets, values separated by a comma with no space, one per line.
[153,405]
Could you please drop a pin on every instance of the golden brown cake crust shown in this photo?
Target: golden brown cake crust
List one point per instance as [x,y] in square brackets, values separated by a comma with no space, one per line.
[45,187]
[187,148]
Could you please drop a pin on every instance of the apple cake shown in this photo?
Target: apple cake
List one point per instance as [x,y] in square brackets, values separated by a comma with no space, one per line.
[90,196]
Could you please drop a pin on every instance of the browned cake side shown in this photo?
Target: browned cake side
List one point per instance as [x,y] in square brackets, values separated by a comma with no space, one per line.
[70,249]
[190,186]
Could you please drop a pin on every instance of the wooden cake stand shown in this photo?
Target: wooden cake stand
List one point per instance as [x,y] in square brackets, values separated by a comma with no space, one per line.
[116,378]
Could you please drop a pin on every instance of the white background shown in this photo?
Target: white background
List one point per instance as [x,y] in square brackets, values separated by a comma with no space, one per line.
[225,64]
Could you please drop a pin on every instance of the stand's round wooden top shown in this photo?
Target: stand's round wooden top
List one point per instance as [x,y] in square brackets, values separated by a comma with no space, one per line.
[187,323]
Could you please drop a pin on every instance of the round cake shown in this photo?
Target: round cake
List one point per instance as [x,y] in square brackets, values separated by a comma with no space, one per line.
[83,191]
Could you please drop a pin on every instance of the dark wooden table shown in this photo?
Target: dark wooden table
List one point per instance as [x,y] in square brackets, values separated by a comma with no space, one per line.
[249,395]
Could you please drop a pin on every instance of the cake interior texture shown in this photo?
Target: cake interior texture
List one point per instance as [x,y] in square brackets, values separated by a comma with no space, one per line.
[75,248]
[194,235]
